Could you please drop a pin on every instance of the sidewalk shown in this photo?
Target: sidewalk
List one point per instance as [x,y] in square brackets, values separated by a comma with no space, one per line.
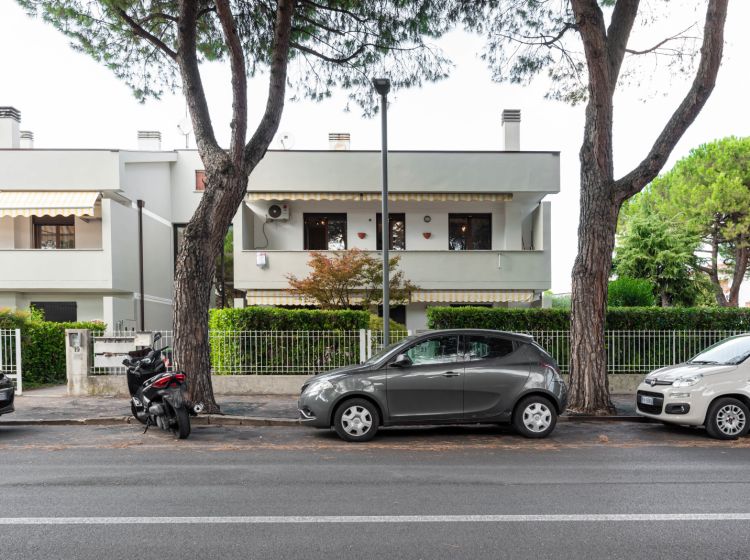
[52,405]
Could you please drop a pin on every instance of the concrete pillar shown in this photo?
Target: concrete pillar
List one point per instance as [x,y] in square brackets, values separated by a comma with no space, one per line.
[77,361]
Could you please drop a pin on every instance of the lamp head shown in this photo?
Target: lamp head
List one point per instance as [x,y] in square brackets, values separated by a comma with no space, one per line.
[382,85]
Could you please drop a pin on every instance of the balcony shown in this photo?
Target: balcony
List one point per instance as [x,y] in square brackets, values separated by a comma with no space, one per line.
[54,270]
[430,270]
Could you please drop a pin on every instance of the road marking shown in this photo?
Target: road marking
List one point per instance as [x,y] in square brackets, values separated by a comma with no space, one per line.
[292,519]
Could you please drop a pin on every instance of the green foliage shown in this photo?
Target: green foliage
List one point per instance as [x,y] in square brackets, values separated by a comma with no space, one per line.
[557,301]
[230,353]
[376,324]
[630,292]
[630,318]
[658,249]
[42,345]
[702,203]
[333,44]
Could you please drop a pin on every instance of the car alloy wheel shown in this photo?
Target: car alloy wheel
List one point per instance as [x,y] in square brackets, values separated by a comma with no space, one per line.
[727,419]
[356,420]
[537,417]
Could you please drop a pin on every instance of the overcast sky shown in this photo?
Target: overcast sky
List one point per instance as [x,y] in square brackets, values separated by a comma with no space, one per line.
[69,101]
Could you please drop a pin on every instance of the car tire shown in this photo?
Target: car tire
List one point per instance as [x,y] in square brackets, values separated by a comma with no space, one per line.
[534,417]
[356,420]
[727,418]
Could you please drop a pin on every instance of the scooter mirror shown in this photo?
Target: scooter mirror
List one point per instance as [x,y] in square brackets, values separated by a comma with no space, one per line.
[157,337]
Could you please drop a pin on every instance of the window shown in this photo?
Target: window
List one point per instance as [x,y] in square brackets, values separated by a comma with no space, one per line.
[58,311]
[487,347]
[54,232]
[397,227]
[200,180]
[469,232]
[325,232]
[437,350]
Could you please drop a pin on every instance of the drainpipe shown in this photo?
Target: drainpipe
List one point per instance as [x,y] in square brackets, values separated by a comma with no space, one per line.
[141,204]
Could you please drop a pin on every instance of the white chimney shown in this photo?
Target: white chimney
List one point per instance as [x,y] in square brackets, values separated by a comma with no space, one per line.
[512,130]
[339,140]
[27,140]
[149,140]
[10,119]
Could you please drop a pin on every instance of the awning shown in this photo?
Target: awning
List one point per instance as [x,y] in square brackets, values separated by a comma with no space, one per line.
[375,196]
[472,296]
[47,203]
[287,297]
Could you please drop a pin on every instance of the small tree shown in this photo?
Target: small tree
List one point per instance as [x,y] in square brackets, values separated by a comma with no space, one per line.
[653,247]
[350,278]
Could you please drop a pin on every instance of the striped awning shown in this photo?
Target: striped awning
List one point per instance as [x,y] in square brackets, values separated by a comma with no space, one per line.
[47,203]
[375,196]
[472,296]
[287,297]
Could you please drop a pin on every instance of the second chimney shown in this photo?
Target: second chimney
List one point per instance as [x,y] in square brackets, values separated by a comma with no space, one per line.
[339,140]
[512,130]
[27,140]
[149,140]
[10,119]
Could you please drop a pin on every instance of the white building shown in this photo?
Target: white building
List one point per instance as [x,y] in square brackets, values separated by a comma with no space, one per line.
[471,227]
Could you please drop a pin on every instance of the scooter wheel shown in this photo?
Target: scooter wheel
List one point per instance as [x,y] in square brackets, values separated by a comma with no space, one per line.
[182,418]
[141,419]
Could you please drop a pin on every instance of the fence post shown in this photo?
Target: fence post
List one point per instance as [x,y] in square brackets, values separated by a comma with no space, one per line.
[369,343]
[362,346]
[19,368]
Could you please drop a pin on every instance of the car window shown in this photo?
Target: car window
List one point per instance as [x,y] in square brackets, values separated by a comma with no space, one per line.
[729,351]
[436,350]
[487,347]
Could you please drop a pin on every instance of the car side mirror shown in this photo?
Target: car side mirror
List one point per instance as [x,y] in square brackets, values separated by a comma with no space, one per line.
[402,360]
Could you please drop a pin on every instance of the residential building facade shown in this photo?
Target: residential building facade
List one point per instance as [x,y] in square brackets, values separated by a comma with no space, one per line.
[470,227]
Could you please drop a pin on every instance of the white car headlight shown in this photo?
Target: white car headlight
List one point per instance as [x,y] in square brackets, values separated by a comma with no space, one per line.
[317,387]
[687,381]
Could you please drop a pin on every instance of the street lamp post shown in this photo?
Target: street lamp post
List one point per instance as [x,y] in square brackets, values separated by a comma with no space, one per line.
[383,86]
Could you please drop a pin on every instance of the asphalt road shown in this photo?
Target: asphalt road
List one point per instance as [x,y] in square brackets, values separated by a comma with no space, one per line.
[595,491]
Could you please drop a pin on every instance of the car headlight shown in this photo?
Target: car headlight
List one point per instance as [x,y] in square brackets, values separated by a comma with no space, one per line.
[687,381]
[317,387]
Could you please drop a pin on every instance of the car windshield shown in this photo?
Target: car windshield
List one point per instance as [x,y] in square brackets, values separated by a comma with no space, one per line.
[387,350]
[730,351]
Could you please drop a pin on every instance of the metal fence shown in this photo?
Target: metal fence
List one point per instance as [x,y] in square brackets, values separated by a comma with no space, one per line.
[10,356]
[308,352]
[636,351]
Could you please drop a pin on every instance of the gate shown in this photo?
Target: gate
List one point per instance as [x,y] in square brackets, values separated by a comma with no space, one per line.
[10,356]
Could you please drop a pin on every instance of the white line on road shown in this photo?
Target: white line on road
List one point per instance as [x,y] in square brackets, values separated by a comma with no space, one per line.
[291,519]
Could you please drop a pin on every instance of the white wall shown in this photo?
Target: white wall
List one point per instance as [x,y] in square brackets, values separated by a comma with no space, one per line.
[7,233]
[88,234]
[361,217]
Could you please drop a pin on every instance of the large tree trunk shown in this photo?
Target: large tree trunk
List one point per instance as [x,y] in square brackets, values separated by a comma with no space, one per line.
[589,387]
[194,278]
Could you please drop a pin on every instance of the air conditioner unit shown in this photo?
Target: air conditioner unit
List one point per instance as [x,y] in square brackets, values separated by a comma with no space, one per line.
[278,211]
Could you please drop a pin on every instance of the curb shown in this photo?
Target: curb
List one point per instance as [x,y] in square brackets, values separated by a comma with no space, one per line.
[228,420]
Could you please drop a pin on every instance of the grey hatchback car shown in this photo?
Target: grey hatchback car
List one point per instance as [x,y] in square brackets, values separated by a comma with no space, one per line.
[461,376]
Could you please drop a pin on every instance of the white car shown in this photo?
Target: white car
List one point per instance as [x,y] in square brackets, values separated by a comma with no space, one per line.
[712,390]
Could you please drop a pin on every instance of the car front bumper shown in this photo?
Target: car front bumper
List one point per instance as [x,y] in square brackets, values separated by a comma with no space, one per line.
[6,401]
[669,404]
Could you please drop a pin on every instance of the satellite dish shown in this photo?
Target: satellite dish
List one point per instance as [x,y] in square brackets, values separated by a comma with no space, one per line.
[286,139]
[185,126]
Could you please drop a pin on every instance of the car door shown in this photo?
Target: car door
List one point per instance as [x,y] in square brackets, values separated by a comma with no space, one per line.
[431,388]
[495,370]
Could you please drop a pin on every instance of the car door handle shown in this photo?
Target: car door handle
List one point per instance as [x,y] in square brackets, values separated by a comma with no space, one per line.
[451,374]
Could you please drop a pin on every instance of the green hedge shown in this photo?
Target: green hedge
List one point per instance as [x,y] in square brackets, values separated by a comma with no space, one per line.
[618,318]
[232,353]
[42,345]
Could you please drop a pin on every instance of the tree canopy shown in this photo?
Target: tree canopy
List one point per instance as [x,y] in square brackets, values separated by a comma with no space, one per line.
[703,202]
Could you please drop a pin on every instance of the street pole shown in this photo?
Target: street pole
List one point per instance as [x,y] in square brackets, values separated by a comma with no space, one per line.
[383,86]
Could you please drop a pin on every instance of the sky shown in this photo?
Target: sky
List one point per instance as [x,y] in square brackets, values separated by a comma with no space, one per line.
[69,101]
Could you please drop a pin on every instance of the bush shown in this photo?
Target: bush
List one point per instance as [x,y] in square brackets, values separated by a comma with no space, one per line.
[622,318]
[231,354]
[376,324]
[42,345]
[630,292]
